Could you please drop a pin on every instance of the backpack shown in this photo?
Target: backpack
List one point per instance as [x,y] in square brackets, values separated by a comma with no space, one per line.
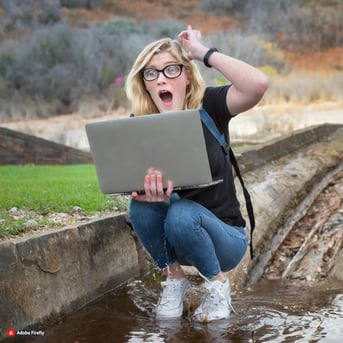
[230,157]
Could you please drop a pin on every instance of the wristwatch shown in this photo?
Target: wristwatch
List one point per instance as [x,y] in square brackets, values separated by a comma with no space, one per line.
[207,56]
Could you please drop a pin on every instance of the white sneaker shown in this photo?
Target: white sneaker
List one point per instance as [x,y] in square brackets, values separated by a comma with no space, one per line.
[170,304]
[217,304]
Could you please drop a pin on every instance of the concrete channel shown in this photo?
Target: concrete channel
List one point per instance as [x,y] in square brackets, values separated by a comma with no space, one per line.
[46,276]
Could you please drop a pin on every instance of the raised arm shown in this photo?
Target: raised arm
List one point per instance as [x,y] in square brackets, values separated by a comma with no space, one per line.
[248,83]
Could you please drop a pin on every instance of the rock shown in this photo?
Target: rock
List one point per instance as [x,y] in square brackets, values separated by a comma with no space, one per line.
[31,224]
[76,209]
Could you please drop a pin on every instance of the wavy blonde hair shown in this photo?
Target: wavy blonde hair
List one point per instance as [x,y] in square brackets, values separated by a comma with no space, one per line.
[140,99]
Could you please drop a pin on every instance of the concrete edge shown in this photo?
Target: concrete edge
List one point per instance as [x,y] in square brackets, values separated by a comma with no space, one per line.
[18,148]
[276,148]
[48,275]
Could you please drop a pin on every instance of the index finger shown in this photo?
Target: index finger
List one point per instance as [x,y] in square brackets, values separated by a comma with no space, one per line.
[185,33]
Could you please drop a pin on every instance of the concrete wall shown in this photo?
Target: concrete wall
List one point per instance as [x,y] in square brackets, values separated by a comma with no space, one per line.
[337,270]
[47,275]
[279,189]
[44,276]
[19,148]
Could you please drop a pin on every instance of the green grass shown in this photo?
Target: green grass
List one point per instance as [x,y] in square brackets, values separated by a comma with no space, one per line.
[40,190]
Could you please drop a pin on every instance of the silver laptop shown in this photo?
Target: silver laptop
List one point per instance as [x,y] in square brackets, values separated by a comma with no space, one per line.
[172,142]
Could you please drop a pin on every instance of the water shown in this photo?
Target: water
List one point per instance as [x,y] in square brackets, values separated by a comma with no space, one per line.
[271,311]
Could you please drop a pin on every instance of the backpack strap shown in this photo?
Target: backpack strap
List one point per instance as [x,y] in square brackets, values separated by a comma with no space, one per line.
[220,137]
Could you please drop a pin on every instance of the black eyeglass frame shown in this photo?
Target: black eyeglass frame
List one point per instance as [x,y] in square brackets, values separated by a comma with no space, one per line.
[180,65]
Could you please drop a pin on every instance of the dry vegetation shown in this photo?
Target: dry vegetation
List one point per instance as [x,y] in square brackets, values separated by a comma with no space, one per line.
[62,56]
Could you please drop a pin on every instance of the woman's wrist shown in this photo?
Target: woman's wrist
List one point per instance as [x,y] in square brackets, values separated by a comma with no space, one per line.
[208,55]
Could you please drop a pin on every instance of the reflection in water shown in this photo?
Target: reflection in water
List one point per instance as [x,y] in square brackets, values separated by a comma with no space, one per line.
[271,311]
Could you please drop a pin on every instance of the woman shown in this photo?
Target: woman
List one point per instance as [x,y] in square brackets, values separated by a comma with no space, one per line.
[203,227]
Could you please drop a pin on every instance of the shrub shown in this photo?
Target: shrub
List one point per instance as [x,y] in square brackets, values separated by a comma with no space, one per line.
[29,13]
[251,49]
[59,66]
[63,63]
[304,88]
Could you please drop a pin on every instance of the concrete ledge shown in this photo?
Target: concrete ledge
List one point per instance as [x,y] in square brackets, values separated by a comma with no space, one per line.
[337,270]
[19,148]
[277,189]
[44,276]
[274,149]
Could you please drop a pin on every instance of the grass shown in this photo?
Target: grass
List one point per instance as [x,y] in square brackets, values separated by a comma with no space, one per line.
[41,190]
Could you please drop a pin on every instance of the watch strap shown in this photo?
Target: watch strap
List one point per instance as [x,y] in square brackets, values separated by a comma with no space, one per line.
[207,56]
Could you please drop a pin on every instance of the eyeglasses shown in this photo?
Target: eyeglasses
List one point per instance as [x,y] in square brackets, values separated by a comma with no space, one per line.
[171,71]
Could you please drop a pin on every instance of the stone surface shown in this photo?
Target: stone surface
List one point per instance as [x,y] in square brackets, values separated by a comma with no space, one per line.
[47,275]
[278,188]
[337,270]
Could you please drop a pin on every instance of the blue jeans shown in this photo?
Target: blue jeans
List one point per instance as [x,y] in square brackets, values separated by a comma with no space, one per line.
[185,231]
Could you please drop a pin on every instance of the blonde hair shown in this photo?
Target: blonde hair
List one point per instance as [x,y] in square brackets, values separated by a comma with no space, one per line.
[140,99]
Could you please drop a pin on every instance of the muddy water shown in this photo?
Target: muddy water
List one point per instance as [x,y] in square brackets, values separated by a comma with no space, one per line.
[271,311]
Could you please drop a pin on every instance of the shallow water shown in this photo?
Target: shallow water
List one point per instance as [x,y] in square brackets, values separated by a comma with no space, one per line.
[271,311]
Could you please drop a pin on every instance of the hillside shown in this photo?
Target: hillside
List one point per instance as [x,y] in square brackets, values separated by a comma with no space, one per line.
[66,56]
[187,12]
[211,22]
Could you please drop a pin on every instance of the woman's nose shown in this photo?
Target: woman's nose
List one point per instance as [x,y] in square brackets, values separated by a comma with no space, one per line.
[161,78]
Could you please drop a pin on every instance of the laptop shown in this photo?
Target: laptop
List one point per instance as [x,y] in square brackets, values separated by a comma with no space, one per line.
[172,142]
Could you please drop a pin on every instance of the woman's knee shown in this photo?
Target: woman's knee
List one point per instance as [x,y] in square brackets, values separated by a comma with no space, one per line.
[179,213]
[134,211]
[141,208]
[180,219]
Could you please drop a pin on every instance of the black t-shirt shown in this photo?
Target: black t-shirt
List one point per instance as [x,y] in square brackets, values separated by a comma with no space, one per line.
[221,198]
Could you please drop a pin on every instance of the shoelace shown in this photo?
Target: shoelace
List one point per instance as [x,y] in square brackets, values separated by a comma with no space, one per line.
[168,294]
[209,288]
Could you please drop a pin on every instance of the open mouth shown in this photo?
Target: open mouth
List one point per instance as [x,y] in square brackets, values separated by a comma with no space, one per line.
[166,96]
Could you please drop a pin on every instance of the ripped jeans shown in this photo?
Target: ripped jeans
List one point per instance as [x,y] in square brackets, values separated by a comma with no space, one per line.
[185,231]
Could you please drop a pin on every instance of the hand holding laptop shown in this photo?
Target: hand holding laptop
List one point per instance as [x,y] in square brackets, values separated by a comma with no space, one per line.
[153,187]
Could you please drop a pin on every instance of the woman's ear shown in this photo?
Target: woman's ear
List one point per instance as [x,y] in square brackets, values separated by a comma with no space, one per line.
[188,83]
[188,79]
